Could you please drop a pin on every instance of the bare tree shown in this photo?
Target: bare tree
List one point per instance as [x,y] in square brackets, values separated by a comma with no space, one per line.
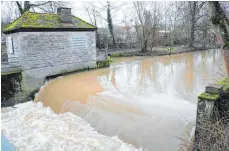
[110,23]
[46,6]
[144,28]
[93,13]
[110,12]
[203,28]
[155,24]
[194,8]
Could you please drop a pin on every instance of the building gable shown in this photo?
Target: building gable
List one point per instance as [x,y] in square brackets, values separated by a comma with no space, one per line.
[31,21]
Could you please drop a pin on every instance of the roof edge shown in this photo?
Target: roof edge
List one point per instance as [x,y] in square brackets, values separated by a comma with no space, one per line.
[5,30]
[84,21]
[15,30]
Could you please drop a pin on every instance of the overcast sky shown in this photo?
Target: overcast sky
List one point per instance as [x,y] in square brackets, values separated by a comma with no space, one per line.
[120,11]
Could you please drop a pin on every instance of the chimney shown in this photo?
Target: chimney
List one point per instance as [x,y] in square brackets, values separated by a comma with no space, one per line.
[65,14]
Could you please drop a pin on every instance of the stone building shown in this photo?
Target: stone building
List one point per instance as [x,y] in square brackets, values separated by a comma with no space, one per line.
[45,44]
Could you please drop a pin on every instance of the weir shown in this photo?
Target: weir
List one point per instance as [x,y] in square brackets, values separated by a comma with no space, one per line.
[20,85]
[160,93]
[137,89]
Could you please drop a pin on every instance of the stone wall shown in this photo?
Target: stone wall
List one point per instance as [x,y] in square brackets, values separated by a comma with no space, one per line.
[44,54]
[49,49]
[11,85]
[13,48]
[211,104]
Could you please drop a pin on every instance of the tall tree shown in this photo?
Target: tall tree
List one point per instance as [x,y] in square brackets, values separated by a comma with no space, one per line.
[93,13]
[141,13]
[194,8]
[192,5]
[146,23]
[154,24]
[110,23]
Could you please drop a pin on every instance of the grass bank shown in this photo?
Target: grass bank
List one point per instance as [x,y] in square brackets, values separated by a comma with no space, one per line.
[158,51]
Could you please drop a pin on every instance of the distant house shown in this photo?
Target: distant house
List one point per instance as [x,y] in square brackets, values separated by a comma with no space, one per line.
[48,40]
[124,36]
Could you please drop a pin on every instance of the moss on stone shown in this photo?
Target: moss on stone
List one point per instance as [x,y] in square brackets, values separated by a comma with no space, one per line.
[101,64]
[207,96]
[171,49]
[13,71]
[43,20]
[225,83]
[82,24]
[14,24]
[117,54]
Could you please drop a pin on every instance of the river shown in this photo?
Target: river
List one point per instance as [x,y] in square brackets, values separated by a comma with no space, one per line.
[149,102]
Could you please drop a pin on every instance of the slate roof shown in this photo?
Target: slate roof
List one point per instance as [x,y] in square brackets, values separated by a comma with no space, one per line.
[46,21]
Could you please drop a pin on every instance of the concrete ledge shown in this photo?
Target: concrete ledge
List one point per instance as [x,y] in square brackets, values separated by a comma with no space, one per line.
[211,93]
[8,69]
[213,88]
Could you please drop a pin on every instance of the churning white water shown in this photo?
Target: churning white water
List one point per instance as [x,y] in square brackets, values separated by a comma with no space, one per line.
[31,126]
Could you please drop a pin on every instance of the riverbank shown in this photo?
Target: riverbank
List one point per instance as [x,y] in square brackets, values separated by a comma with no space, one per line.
[159,51]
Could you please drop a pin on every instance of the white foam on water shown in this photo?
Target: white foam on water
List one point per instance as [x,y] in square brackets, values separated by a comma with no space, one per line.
[31,126]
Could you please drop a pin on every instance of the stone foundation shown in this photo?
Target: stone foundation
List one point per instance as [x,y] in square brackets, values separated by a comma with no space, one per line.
[21,86]
[213,99]
[11,89]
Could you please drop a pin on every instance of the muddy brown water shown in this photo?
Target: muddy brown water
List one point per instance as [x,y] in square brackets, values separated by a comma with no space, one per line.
[146,101]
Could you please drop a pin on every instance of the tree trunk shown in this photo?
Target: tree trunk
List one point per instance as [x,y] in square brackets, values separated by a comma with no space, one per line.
[192,33]
[21,10]
[144,41]
[26,6]
[204,38]
[110,24]
[220,21]
[145,46]
[96,32]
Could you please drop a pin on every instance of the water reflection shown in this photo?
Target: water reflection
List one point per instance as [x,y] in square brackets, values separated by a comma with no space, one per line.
[146,101]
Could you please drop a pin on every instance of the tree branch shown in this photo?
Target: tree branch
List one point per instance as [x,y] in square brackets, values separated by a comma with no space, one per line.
[19,7]
[198,9]
[36,5]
